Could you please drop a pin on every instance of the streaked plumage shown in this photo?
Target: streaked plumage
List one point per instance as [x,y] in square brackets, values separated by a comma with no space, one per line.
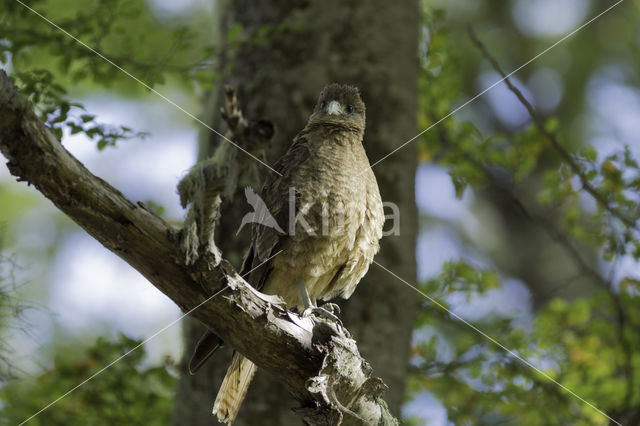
[329,172]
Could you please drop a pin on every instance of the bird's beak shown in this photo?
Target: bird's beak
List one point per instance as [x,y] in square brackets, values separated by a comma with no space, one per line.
[334,108]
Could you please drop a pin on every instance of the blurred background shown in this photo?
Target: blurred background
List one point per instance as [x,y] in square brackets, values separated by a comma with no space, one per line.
[526,227]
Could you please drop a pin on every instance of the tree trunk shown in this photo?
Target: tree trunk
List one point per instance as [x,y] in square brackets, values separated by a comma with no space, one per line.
[286,52]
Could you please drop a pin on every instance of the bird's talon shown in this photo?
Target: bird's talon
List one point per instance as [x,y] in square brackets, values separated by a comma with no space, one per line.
[331,307]
[321,312]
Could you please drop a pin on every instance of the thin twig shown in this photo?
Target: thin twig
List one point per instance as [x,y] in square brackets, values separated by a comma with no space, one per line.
[551,137]
[561,238]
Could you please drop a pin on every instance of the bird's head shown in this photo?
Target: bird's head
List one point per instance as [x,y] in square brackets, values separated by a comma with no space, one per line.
[340,104]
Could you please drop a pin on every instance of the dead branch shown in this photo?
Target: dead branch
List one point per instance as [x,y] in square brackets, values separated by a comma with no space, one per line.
[315,360]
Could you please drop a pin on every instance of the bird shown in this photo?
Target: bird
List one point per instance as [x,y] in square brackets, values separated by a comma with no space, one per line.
[326,199]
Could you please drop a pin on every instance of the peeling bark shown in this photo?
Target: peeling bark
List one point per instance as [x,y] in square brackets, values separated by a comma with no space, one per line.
[317,361]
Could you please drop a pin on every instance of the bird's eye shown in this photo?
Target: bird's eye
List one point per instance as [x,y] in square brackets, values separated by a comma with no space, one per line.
[350,109]
[323,104]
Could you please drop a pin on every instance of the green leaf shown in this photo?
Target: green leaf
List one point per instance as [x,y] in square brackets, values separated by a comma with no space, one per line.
[551,125]
[590,153]
[233,35]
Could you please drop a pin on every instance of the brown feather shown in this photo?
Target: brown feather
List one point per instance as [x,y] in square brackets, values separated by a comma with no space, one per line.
[234,388]
[329,170]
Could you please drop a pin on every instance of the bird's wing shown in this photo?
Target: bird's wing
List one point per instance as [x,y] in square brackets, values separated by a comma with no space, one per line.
[266,240]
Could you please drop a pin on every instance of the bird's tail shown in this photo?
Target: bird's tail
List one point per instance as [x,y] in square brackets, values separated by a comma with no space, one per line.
[234,388]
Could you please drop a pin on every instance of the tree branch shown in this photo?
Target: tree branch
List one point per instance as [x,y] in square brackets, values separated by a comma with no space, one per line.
[621,314]
[622,322]
[316,360]
[552,138]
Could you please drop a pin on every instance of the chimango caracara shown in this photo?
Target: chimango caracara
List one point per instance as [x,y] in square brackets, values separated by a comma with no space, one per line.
[328,204]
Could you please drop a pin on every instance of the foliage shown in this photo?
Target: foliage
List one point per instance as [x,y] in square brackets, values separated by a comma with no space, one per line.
[585,200]
[46,61]
[59,113]
[130,393]
[51,68]
[576,343]
[12,310]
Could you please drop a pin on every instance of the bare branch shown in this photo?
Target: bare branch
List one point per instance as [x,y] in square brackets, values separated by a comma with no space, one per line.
[317,362]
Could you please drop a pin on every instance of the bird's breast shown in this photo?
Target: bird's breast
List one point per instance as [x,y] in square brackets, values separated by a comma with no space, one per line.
[333,235]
